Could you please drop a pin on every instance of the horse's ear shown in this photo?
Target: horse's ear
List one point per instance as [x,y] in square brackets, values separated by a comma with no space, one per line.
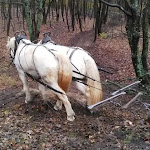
[8,39]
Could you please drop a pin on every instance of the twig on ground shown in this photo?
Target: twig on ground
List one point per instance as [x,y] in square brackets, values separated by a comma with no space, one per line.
[132,100]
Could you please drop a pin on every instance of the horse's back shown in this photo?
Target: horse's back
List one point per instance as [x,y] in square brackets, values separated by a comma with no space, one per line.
[36,59]
[76,55]
[59,48]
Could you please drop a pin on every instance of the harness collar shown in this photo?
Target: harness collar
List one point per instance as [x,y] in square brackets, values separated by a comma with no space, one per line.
[46,39]
[18,38]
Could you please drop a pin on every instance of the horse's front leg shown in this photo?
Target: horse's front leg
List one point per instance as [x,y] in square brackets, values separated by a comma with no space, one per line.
[42,90]
[25,86]
[58,105]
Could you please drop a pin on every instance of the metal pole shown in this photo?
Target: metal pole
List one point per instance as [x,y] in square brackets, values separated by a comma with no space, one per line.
[108,99]
[122,89]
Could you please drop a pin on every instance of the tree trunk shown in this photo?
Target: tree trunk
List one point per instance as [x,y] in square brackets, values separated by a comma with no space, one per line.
[9,18]
[72,10]
[133,27]
[44,12]
[33,11]
[145,26]
[103,16]
[97,8]
[78,15]
[133,32]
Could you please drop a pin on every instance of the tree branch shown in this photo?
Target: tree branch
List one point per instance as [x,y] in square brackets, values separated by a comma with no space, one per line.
[118,6]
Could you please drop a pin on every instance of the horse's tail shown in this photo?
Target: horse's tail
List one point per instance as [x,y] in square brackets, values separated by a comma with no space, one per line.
[65,72]
[94,90]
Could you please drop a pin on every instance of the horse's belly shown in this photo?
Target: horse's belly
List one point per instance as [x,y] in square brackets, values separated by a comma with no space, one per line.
[33,73]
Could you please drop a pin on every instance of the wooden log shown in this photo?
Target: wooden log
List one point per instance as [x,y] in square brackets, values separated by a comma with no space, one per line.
[132,100]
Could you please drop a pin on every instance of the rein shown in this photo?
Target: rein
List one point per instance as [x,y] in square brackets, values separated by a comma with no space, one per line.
[80,81]
[44,84]
[85,76]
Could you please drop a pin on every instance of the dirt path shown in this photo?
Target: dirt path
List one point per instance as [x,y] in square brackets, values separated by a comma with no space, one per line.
[38,126]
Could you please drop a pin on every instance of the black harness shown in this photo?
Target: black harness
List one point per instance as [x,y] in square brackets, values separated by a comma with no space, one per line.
[17,41]
[48,39]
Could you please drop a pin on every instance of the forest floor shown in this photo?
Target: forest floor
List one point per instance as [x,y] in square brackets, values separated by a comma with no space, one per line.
[37,126]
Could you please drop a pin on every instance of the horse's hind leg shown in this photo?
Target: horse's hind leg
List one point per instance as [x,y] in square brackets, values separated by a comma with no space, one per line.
[67,104]
[25,86]
[63,98]
[42,90]
[81,87]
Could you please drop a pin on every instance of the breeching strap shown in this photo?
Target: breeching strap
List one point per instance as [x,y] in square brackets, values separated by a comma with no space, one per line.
[78,72]
[88,85]
[85,76]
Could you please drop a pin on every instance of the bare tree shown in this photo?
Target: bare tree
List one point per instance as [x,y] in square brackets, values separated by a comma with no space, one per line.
[33,15]
[46,5]
[137,23]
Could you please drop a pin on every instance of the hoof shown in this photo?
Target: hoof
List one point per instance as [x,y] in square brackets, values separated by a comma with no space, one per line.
[57,107]
[70,118]
[27,101]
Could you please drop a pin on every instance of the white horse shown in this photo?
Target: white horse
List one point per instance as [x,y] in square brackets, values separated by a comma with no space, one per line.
[52,69]
[85,72]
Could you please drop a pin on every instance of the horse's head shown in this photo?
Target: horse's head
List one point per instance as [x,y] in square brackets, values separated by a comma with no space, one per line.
[11,45]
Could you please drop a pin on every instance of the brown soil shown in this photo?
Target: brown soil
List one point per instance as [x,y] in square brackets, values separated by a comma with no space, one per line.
[110,127]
